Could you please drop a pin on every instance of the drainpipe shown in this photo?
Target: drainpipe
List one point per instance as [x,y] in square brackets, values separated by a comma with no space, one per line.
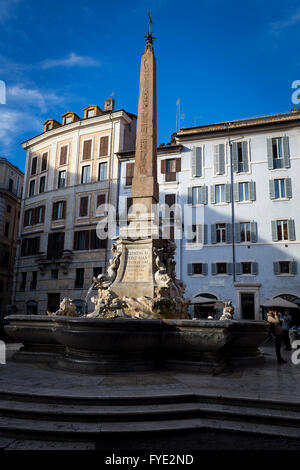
[232,211]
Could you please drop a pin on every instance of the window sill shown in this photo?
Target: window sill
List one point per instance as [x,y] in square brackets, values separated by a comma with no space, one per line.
[220,203]
[197,275]
[244,202]
[280,199]
[285,275]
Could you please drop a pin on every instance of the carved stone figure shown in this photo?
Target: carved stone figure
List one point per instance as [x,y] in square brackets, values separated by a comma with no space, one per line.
[104,280]
[66,308]
[228,311]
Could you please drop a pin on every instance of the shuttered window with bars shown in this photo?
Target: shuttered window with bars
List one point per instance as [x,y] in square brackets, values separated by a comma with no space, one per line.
[59,210]
[170,168]
[44,161]
[278,152]
[30,246]
[83,206]
[280,188]
[63,155]
[89,240]
[34,165]
[34,216]
[56,243]
[219,159]
[240,157]
[103,147]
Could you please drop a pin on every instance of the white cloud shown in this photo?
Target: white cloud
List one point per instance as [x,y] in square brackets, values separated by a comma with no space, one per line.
[73,60]
[13,123]
[292,20]
[7,9]
[34,97]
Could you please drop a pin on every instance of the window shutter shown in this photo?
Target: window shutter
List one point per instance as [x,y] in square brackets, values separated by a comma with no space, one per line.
[286,151]
[93,240]
[190,195]
[254,269]
[236,192]
[229,268]
[202,234]
[197,161]
[103,146]
[101,199]
[213,269]
[245,156]
[253,232]
[34,166]
[129,173]
[64,204]
[193,161]
[288,187]
[238,269]
[26,218]
[228,233]
[203,195]
[274,231]
[50,250]
[272,189]
[216,160]
[212,194]
[270,154]
[76,240]
[234,154]
[178,165]
[252,190]
[190,269]
[213,233]
[237,232]
[61,244]
[83,206]
[43,215]
[221,159]
[63,155]
[228,192]
[54,211]
[204,269]
[293,267]
[276,267]
[44,161]
[87,150]
[291,230]
[163,166]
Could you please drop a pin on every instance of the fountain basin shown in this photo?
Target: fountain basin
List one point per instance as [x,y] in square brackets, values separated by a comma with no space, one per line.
[115,345]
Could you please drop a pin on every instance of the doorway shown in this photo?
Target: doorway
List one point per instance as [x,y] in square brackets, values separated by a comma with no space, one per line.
[53,302]
[247,306]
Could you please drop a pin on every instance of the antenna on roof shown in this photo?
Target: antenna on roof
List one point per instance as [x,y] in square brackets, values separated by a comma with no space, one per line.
[178,114]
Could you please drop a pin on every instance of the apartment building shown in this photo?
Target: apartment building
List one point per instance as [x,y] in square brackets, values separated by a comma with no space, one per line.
[71,171]
[237,228]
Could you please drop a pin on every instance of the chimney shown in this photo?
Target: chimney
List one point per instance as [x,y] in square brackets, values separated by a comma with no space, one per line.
[109,104]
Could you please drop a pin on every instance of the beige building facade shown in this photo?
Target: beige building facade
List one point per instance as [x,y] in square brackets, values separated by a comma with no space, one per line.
[71,169]
[11,184]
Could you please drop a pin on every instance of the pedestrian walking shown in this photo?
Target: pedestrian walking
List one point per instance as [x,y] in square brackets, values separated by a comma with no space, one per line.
[276,329]
[286,326]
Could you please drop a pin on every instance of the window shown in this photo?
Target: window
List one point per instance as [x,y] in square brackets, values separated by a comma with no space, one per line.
[243,191]
[219,159]
[4,260]
[247,268]
[197,161]
[40,214]
[97,271]
[245,232]
[102,175]
[63,155]
[58,210]
[83,206]
[222,268]
[81,240]
[34,216]
[240,158]
[278,153]
[103,150]
[33,166]
[197,268]
[79,280]
[129,173]
[68,119]
[33,281]
[221,233]
[10,185]
[49,126]
[23,281]
[86,174]
[197,195]
[170,168]
[285,267]
[56,243]
[196,234]
[170,200]
[280,188]
[42,184]
[8,209]
[44,162]
[100,205]
[90,113]
[31,188]
[220,193]
[54,273]
[87,149]
[6,229]
[62,176]
[282,230]
[30,246]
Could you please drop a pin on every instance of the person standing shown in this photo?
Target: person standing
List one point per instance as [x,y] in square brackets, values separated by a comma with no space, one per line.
[274,321]
[286,326]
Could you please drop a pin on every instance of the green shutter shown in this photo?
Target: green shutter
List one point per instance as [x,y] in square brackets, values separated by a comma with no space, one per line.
[213,233]
[293,267]
[236,192]
[234,156]
[213,269]
[238,269]
[291,230]
[288,188]
[228,192]
[228,233]
[270,154]
[276,267]
[190,269]
[245,156]
[198,161]
[229,268]
[216,159]
[212,194]
[286,151]
[221,159]
[203,195]
[253,232]
[190,195]
[204,269]
[274,231]
[237,232]
[272,189]
[193,161]
[252,191]
[254,269]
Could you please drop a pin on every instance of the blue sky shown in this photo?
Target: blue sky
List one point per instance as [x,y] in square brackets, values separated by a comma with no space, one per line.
[224,59]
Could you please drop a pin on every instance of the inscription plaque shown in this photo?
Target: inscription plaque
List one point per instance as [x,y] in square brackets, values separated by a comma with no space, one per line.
[138,265]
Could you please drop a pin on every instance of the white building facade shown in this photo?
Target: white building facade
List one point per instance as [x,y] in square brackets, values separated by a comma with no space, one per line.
[238,189]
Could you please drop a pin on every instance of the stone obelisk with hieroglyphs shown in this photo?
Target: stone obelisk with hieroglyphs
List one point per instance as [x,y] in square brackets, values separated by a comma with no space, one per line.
[141,279]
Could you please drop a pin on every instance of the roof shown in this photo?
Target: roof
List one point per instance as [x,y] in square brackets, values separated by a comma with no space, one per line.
[161,150]
[4,160]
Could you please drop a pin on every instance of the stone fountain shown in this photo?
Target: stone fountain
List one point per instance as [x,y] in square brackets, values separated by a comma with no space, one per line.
[139,321]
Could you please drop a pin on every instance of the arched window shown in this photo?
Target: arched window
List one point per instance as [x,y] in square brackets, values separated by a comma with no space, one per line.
[290,297]
[31,307]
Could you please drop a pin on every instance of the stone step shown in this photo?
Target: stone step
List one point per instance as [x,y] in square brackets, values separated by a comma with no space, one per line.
[30,429]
